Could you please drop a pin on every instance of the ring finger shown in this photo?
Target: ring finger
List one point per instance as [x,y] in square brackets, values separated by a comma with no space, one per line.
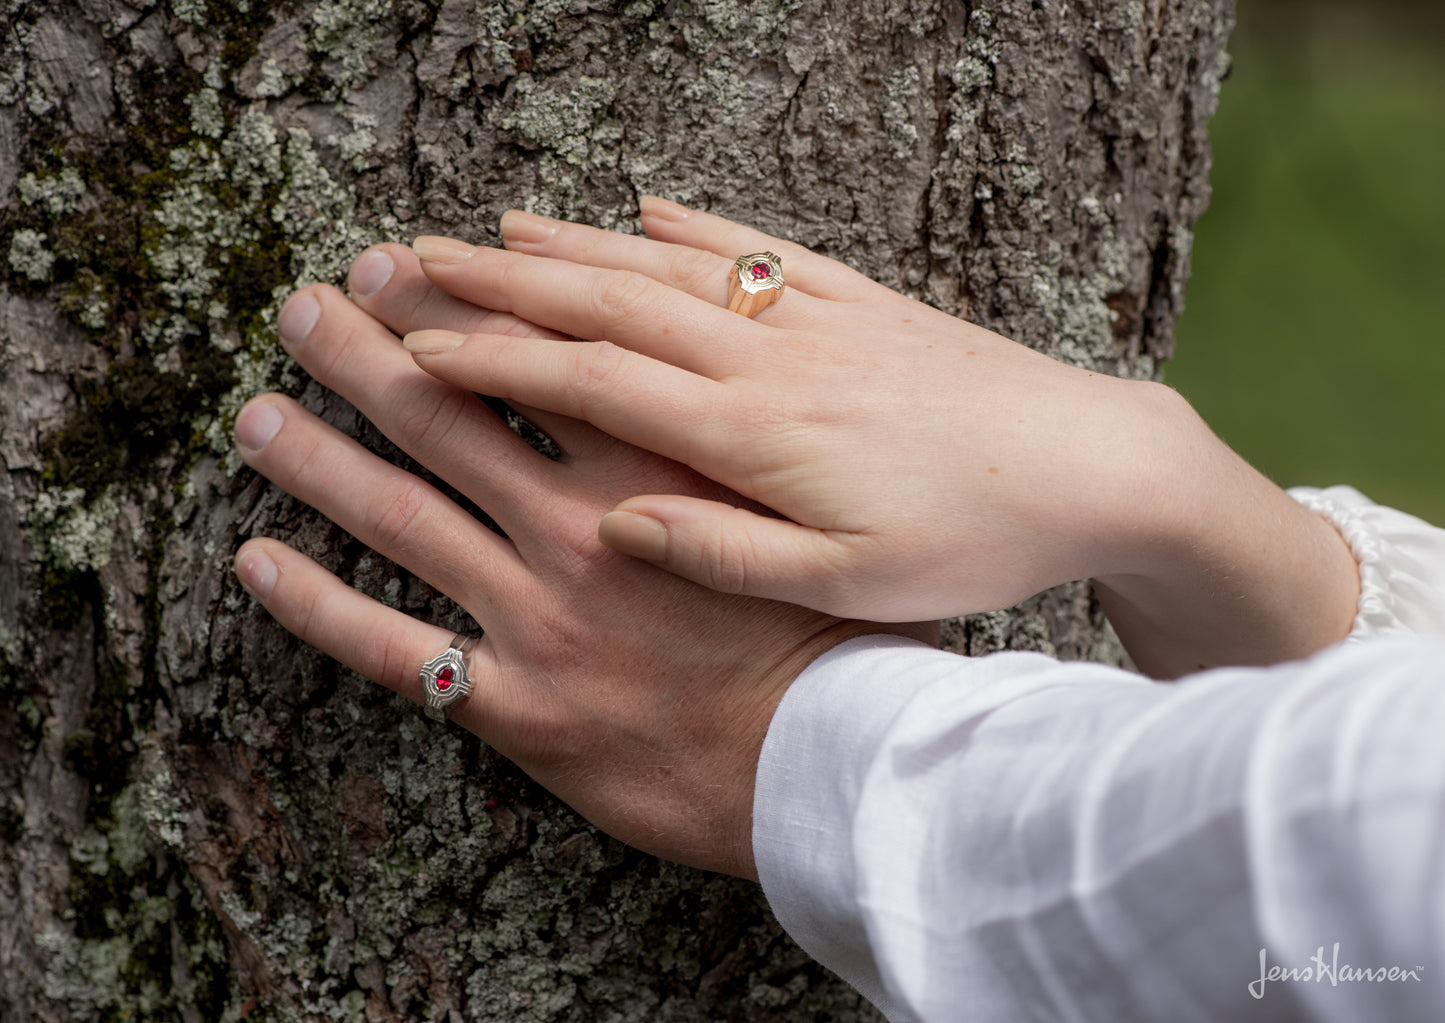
[700,274]
[691,251]
[383,644]
[628,308]
[388,509]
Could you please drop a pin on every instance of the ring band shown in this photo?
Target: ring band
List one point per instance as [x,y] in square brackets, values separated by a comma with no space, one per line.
[754,283]
[445,677]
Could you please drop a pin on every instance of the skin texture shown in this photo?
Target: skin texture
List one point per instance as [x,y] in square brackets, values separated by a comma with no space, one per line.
[636,693]
[909,464]
[636,696]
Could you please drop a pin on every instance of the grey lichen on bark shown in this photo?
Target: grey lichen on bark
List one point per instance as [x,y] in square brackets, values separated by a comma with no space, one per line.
[202,819]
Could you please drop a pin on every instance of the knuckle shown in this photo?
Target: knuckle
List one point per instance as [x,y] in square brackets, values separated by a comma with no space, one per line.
[725,563]
[836,570]
[697,273]
[837,593]
[306,617]
[398,516]
[506,273]
[619,297]
[309,462]
[421,307]
[494,362]
[597,371]
[392,659]
[590,246]
[326,351]
[427,421]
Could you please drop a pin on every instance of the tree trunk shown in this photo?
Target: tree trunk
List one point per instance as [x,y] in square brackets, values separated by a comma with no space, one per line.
[202,819]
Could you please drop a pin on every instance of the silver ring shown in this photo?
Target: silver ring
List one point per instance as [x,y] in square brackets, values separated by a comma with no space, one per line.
[445,677]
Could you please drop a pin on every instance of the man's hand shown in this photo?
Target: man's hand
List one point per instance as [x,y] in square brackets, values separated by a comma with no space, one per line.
[638,697]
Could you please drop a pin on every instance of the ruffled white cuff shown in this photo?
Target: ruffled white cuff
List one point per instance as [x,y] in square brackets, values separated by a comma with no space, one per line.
[1401,559]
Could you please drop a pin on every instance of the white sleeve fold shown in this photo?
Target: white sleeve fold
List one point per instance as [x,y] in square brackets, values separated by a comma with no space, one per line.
[1014,838]
[1011,838]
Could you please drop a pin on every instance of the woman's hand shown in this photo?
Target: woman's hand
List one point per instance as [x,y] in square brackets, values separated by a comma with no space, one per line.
[639,698]
[924,466]
[921,465]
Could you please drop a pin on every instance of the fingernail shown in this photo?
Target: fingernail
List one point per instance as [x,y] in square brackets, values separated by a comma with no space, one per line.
[298,317]
[527,228]
[257,573]
[431,342]
[431,249]
[637,535]
[370,272]
[257,424]
[663,209]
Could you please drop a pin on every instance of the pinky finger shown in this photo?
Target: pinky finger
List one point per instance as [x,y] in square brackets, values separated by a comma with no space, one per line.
[379,642]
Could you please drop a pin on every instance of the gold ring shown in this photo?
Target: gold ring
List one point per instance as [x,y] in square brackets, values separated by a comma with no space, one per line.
[755,283]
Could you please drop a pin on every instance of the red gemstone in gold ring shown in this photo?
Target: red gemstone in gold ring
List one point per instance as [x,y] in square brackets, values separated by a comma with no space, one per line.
[755,283]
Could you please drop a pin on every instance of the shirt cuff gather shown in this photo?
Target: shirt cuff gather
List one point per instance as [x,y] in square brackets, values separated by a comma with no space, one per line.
[1398,556]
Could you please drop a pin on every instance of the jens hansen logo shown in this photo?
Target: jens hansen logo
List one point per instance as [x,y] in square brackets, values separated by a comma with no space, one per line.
[1332,971]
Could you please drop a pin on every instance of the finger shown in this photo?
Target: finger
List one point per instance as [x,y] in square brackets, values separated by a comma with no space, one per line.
[387,283]
[734,550]
[621,306]
[702,274]
[448,430]
[388,509]
[818,275]
[377,641]
[636,399]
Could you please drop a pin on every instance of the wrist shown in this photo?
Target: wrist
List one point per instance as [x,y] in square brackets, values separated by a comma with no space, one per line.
[1214,564]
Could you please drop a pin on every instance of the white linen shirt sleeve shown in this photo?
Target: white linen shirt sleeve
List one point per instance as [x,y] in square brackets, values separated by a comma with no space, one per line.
[1401,559]
[1014,838]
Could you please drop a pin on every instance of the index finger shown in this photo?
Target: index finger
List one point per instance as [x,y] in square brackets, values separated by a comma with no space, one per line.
[601,304]
[636,399]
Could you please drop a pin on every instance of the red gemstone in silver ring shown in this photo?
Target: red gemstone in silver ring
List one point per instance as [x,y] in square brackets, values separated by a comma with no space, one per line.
[445,679]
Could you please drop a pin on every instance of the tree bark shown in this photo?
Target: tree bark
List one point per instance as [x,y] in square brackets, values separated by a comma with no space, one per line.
[202,819]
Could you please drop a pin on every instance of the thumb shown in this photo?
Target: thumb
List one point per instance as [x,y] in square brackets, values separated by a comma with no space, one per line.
[731,550]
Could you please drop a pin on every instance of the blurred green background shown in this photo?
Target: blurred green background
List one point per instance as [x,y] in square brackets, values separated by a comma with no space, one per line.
[1313,340]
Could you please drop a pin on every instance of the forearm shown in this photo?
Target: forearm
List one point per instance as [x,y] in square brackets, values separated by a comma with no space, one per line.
[1215,564]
